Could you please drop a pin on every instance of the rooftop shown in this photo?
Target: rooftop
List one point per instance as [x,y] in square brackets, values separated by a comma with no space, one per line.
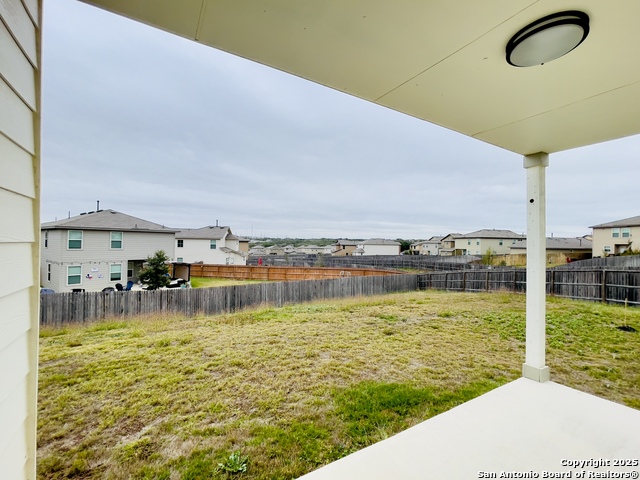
[625,222]
[106,220]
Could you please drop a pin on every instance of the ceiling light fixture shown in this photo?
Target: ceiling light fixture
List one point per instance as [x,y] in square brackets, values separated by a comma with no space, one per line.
[548,38]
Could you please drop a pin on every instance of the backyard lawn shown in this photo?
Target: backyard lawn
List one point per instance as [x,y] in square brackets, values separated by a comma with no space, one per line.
[274,393]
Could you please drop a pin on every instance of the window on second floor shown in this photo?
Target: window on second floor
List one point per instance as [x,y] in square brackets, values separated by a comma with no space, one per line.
[212,245]
[180,243]
[48,272]
[626,232]
[46,239]
[501,242]
[478,242]
[74,240]
[615,232]
[116,240]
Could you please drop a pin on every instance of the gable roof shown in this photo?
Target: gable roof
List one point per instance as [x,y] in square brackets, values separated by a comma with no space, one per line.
[380,241]
[109,220]
[205,233]
[559,243]
[625,222]
[486,233]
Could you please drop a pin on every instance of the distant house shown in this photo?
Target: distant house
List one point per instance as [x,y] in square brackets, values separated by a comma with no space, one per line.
[211,245]
[573,248]
[312,249]
[478,242]
[448,245]
[616,237]
[99,249]
[344,248]
[378,246]
[427,247]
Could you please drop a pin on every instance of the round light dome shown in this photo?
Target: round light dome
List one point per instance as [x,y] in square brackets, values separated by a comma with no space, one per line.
[548,38]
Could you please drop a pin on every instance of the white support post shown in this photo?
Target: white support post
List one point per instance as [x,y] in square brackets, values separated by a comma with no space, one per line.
[534,366]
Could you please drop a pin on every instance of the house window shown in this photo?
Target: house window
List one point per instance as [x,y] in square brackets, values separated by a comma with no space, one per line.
[513,242]
[212,245]
[74,240]
[500,242]
[180,260]
[468,242]
[48,272]
[607,249]
[46,239]
[116,240]
[74,275]
[478,241]
[615,232]
[626,232]
[180,243]
[115,272]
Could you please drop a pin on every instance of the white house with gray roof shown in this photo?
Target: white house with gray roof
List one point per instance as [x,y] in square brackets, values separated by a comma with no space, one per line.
[99,249]
[478,242]
[211,245]
[378,246]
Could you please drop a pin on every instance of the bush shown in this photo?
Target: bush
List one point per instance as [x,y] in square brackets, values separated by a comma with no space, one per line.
[156,271]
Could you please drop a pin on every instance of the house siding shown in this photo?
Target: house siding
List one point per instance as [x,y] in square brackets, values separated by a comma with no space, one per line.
[96,256]
[19,224]
[603,237]
[381,249]
[485,244]
[198,250]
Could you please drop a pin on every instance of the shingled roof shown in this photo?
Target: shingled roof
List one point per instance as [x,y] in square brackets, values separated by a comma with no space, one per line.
[625,222]
[486,233]
[107,220]
[206,233]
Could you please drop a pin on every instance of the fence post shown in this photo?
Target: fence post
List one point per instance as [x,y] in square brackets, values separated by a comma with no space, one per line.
[464,280]
[604,286]
[446,277]
[487,285]
[553,281]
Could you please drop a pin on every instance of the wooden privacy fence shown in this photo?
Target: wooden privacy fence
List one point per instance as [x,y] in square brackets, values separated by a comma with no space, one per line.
[612,286]
[60,308]
[271,273]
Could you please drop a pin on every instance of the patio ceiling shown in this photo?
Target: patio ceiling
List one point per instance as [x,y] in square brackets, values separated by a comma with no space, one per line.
[439,60]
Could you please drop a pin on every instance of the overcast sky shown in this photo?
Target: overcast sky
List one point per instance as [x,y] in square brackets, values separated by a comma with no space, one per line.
[177,133]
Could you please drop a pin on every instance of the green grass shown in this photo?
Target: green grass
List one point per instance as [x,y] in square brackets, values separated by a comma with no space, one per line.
[290,389]
[206,282]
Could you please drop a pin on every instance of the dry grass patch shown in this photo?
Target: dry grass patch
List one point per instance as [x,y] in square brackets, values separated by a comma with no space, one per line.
[289,389]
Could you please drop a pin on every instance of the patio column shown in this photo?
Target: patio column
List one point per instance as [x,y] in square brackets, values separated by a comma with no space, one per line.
[534,366]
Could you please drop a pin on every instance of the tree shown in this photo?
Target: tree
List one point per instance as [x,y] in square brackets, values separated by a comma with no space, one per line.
[487,258]
[156,271]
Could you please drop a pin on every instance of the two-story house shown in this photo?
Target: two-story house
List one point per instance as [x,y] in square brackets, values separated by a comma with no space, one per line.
[427,247]
[616,237]
[98,249]
[480,241]
[344,247]
[211,245]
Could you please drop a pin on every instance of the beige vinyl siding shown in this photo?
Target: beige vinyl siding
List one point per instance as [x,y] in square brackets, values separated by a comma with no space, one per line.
[19,223]
[96,256]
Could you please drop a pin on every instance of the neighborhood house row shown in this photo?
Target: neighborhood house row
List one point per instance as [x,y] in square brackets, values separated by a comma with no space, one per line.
[100,249]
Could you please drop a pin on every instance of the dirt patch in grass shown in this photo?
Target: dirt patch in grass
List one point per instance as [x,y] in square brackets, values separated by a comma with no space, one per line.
[290,389]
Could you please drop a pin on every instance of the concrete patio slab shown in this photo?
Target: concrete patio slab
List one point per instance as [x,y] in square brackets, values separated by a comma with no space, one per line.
[524,429]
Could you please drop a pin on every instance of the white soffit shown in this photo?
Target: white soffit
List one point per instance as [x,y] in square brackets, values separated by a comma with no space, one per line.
[439,60]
